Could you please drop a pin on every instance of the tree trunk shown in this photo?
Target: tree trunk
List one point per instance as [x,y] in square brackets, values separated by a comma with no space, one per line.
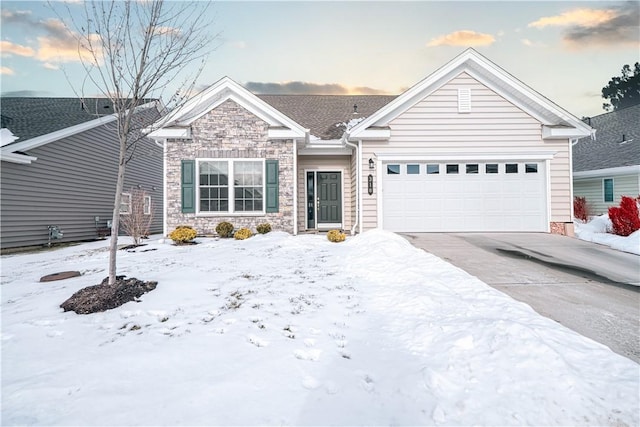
[115,220]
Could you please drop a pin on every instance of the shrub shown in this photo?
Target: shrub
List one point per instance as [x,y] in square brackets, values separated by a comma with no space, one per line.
[580,208]
[183,234]
[263,228]
[224,229]
[336,236]
[625,218]
[243,233]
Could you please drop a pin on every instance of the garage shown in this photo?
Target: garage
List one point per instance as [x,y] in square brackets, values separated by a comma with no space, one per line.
[465,196]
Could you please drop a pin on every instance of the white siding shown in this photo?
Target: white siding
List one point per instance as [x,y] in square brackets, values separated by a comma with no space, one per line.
[592,189]
[493,126]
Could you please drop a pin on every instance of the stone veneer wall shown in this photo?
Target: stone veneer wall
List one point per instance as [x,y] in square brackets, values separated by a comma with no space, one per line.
[229,131]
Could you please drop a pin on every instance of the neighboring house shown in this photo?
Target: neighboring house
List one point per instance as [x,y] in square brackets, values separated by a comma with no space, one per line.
[608,167]
[59,168]
[469,148]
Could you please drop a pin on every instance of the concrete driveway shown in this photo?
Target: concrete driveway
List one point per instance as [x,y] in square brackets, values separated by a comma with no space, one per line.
[587,287]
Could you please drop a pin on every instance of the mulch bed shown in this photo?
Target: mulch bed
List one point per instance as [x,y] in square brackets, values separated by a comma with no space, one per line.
[102,297]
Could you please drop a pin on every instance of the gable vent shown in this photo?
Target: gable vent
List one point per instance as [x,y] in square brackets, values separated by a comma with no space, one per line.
[464,100]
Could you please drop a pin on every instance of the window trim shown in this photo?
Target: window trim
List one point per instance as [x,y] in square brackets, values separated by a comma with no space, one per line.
[231,187]
[125,195]
[146,205]
[604,190]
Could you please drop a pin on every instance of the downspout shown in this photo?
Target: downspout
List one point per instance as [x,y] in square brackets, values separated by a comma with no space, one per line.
[358,179]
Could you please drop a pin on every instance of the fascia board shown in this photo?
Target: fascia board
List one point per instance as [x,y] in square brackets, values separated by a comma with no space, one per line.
[374,134]
[618,171]
[550,132]
[163,133]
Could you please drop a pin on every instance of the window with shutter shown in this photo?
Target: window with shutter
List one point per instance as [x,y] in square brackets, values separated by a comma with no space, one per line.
[188,177]
[272,204]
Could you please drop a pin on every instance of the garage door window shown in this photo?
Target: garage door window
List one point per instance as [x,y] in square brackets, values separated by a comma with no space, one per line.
[413,169]
[452,169]
[471,169]
[531,168]
[511,168]
[393,169]
[491,168]
[433,169]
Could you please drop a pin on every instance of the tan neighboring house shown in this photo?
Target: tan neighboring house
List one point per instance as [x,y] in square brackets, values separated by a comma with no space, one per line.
[469,148]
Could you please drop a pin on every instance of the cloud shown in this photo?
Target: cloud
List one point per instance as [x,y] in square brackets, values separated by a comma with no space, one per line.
[50,66]
[57,44]
[8,48]
[24,94]
[612,27]
[6,71]
[239,44]
[463,38]
[306,88]
[530,43]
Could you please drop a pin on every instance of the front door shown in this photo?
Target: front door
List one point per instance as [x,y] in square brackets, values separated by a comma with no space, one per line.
[324,193]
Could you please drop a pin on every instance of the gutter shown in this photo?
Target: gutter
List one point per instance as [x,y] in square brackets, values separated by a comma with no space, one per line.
[358,180]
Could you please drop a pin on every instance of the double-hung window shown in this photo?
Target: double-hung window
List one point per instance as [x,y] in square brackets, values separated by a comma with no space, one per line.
[230,186]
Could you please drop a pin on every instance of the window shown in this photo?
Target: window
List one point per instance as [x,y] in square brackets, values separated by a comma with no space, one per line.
[511,168]
[393,169]
[452,169]
[531,168]
[433,169]
[607,185]
[125,204]
[491,168]
[413,169]
[146,207]
[243,193]
[473,168]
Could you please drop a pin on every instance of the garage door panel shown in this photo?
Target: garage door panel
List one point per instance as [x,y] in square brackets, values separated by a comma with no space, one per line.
[465,201]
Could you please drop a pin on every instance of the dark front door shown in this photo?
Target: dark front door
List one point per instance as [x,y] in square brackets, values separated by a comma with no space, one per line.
[329,197]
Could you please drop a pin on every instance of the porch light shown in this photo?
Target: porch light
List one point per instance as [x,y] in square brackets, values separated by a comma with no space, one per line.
[371,164]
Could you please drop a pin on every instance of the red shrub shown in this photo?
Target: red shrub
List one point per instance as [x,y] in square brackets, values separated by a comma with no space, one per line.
[625,218]
[580,208]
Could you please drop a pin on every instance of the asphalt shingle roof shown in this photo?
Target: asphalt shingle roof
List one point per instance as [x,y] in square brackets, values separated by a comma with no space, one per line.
[326,115]
[608,149]
[28,118]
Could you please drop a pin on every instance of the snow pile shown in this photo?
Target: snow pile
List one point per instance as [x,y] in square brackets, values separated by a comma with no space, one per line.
[598,230]
[283,330]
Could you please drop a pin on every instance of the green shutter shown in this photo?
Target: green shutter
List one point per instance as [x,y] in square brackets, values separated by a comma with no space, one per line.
[188,186]
[272,186]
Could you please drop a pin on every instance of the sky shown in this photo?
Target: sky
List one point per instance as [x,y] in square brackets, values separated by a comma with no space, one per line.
[567,51]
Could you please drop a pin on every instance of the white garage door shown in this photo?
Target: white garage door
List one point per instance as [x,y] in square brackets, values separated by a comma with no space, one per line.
[498,196]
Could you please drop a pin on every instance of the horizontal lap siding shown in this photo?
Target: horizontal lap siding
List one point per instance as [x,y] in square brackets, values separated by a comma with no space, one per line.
[71,182]
[592,190]
[326,163]
[494,125]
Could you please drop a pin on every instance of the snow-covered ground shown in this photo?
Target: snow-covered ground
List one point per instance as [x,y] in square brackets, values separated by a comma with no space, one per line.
[598,231]
[283,330]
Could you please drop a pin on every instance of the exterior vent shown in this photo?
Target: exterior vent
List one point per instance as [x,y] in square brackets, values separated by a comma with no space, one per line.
[464,100]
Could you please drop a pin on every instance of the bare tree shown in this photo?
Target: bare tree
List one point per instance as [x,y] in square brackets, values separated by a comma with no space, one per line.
[136,214]
[132,51]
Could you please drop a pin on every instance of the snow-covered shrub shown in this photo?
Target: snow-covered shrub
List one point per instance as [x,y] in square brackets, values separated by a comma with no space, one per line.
[580,208]
[263,228]
[243,233]
[336,236]
[224,229]
[625,218]
[183,234]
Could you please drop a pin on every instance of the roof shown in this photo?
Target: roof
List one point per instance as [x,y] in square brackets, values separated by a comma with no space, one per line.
[28,118]
[617,141]
[327,116]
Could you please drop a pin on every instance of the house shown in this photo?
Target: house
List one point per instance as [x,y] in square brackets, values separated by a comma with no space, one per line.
[59,168]
[608,167]
[469,148]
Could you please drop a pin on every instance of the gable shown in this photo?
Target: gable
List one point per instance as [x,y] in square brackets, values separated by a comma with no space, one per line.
[557,123]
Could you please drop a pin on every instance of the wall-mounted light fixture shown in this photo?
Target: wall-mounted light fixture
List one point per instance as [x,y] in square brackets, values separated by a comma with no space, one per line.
[370,184]
[371,164]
